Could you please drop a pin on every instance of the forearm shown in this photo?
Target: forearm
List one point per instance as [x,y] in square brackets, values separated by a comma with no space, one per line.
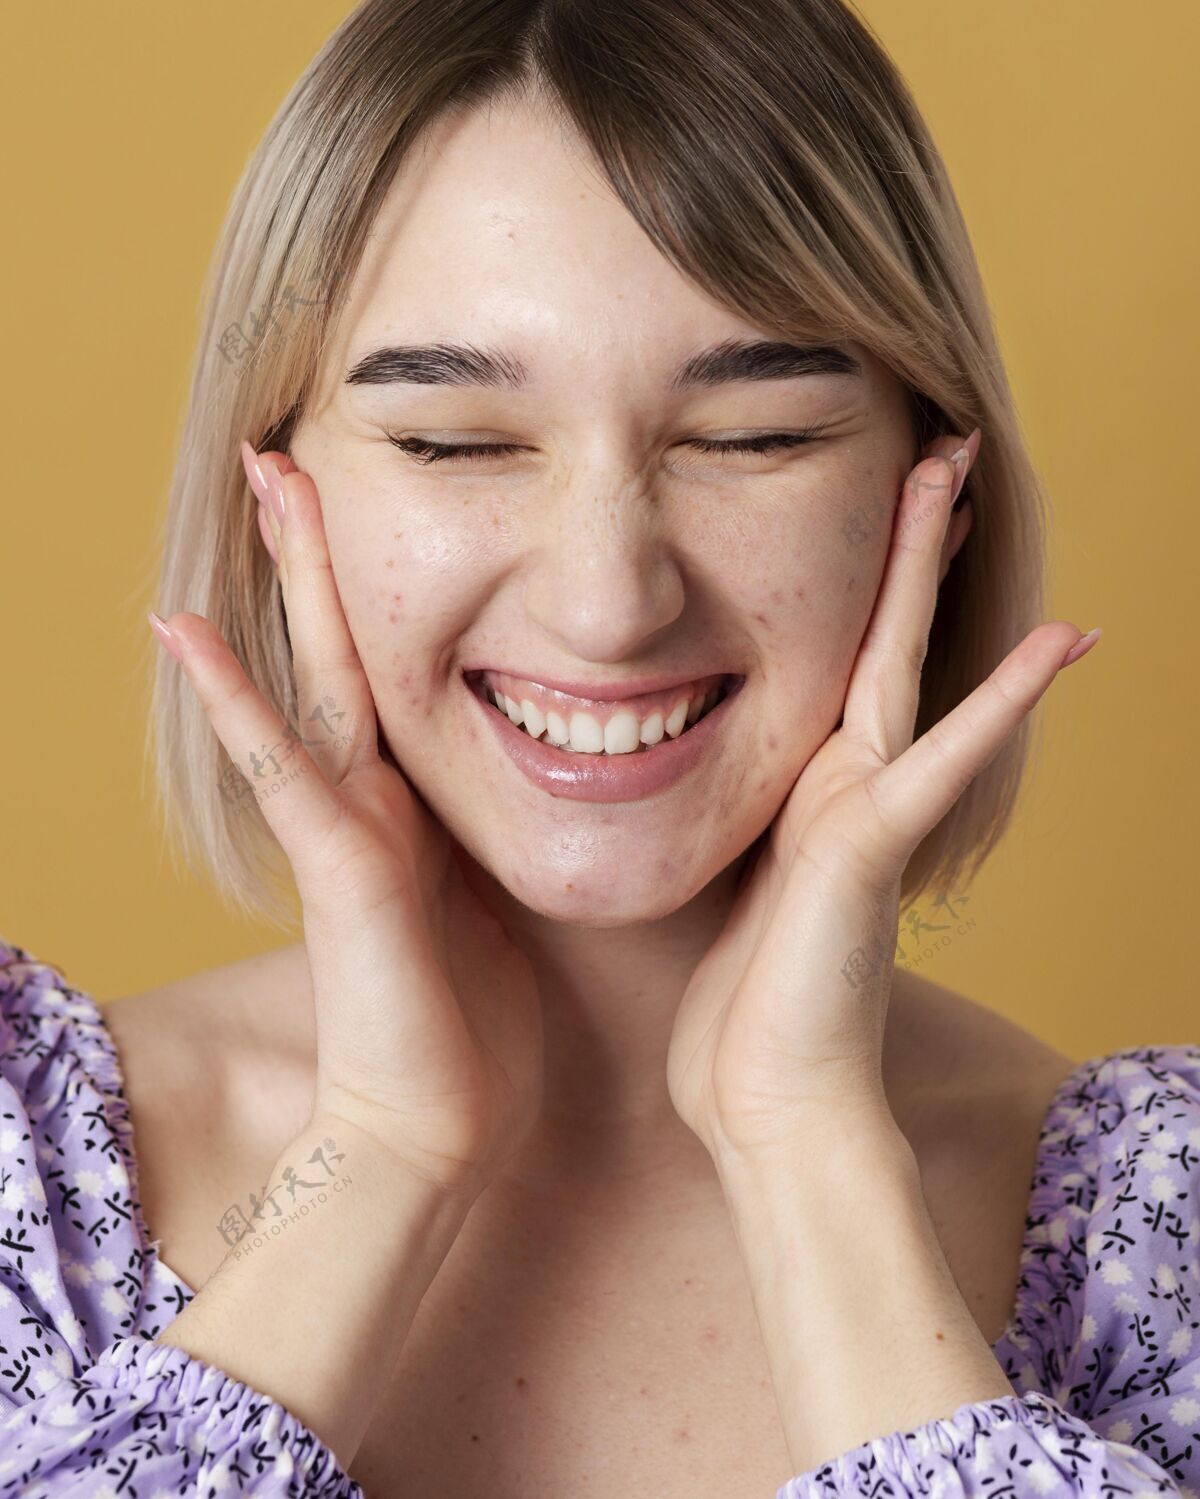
[311,1306]
[865,1330]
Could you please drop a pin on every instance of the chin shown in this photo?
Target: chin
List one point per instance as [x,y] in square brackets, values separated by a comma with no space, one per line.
[588,886]
[595,902]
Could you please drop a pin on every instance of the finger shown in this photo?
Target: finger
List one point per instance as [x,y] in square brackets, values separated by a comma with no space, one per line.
[257,466]
[913,793]
[882,695]
[336,706]
[297,801]
[267,534]
[884,688]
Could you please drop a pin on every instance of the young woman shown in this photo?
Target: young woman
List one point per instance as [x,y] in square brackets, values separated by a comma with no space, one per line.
[628,594]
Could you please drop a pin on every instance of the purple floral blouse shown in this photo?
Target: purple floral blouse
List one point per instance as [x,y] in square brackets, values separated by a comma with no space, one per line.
[1102,1349]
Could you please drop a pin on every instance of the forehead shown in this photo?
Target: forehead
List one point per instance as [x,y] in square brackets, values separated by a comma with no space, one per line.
[499,219]
[498,229]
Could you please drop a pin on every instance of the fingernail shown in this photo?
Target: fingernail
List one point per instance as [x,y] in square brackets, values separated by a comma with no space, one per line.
[162,630]
[274,489]
[1081,647]
[960,460]
[254,473]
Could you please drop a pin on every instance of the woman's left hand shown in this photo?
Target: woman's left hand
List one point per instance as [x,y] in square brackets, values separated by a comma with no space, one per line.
[782,1024]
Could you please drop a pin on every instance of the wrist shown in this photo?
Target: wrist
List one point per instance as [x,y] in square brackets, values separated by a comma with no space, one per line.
[838,1148]
[372,1155]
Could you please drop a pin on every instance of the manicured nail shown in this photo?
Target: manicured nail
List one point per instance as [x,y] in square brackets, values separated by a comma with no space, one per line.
[961,459]
[254,473]
[274,489]
[162,630]
[1081,647]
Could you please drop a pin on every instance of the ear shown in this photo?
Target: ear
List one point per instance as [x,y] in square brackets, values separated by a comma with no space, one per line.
[956,534]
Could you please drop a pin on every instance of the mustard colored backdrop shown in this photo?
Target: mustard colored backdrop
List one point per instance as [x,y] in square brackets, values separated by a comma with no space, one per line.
[1070,130]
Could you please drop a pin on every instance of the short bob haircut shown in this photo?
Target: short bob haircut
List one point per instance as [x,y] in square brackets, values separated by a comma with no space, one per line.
[770,149]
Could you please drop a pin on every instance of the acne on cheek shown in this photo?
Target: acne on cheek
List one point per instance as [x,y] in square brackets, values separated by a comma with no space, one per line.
[404,683]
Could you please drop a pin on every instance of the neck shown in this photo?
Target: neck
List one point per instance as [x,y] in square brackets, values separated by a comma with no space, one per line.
[609,998]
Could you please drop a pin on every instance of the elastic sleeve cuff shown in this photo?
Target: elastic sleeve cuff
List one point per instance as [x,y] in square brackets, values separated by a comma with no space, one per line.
[1019,1445]
[232,1432]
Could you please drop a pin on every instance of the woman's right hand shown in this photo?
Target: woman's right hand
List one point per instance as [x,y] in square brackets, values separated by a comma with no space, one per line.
[428,1022]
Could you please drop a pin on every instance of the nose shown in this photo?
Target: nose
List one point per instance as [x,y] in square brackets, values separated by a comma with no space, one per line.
[604,578]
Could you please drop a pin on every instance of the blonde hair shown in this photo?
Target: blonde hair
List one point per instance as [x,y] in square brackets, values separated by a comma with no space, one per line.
[771,151]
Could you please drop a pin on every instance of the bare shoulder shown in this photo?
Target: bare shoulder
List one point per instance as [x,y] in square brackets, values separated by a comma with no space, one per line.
[976,1081]
[217,1068]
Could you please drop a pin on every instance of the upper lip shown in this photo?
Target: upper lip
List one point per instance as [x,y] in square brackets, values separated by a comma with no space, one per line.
[610,692]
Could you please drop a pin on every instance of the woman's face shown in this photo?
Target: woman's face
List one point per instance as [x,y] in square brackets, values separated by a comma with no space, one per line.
[608,549]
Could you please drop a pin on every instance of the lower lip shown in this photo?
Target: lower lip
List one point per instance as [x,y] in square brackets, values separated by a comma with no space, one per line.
[606,778]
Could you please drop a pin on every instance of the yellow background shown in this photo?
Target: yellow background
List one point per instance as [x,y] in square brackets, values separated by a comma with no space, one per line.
[1070,130]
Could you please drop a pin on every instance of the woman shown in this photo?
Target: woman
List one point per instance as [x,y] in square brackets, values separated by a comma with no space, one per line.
[630,593]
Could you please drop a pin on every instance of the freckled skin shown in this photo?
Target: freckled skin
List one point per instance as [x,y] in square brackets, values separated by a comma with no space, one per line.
[609,545]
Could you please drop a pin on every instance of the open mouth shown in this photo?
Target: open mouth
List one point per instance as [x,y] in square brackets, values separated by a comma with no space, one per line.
[608,729]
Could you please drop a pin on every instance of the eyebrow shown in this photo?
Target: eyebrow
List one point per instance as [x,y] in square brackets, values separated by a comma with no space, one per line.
[466,364]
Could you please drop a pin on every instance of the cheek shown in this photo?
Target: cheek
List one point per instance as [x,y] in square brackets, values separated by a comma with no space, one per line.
[806,610]
[409,587]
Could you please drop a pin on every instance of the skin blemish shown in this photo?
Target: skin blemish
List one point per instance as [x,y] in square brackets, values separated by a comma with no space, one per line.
[772,742]
[521,1382]
[710,1336]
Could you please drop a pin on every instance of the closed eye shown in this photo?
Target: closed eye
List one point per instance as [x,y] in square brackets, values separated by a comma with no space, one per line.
[423,450]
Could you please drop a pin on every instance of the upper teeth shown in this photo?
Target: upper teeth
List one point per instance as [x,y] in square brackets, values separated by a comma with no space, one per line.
[623,733]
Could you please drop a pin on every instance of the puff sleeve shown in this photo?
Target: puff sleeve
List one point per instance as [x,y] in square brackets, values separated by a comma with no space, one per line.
[89,1403]
[1106,1370]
